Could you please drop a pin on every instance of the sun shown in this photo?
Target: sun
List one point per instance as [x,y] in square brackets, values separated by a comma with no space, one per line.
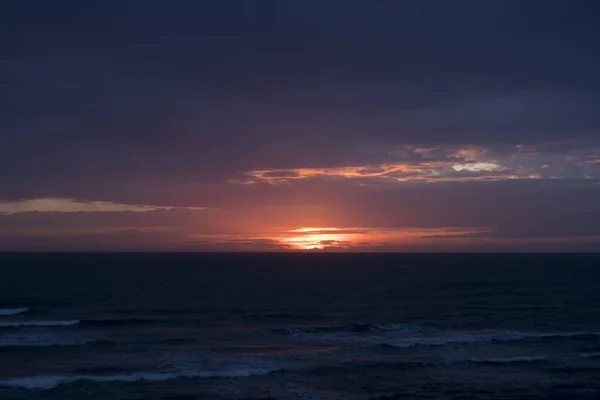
[317,239]
[312,242]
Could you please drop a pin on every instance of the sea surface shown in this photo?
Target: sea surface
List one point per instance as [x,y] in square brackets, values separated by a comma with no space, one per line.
[299,326]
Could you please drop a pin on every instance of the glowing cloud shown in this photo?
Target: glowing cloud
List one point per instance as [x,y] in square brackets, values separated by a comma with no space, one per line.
[451,164]
[72,206]
[478,167]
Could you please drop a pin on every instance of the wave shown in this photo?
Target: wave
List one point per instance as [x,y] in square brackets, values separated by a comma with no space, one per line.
[593,354]
[43,338]
[407,335]
[169,312]
[364,366]
[13,311]
[47,340]
[6,345]
[175,341]
[288,316]
[28,302]
[352,328]
[121,322]
[466,338]
[508,360]
[91,322]
[510,336]
[25,324]
[282,315]
[104,370]
[118,322]
[50,382]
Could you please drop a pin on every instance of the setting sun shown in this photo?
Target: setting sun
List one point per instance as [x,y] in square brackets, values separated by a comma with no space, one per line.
[318,238]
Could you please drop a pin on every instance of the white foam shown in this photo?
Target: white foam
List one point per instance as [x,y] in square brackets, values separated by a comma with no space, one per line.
[13,311]
[19,324]
[50,382]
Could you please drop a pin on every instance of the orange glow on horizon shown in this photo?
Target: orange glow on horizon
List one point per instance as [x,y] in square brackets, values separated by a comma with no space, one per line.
[314,238]
[319,241]
[349,238]
[312,229]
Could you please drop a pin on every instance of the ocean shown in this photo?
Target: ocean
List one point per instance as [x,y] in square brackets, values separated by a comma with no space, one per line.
[299,326]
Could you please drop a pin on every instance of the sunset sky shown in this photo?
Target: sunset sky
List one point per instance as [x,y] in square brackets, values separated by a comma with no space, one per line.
[276,125]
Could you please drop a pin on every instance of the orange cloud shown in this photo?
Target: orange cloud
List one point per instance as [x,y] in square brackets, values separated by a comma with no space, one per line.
[451,164]
[431,171]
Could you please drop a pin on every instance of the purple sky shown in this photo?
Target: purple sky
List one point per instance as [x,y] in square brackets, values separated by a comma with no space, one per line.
[241,125]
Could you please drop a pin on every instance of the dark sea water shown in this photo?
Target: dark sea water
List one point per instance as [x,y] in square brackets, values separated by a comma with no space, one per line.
[299,326]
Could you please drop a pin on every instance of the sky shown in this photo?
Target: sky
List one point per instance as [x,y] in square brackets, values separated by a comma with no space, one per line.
[280,125]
